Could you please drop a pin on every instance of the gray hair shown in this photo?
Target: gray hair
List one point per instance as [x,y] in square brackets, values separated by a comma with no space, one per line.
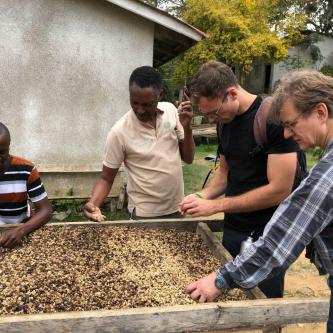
[305,89]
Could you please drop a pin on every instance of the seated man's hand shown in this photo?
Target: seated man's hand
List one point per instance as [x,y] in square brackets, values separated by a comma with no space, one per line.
[12,238]
[204,290]
[93,212]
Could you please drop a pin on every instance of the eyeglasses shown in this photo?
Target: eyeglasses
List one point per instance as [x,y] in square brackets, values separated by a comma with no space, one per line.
[290,125]
[213,112]
[210,113]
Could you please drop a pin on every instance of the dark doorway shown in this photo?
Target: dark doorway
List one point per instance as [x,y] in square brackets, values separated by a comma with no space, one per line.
[268,69]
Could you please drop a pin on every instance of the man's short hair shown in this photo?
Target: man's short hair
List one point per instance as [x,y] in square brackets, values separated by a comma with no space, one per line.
[146,76]
[305,89]
[4,130]
[212,80]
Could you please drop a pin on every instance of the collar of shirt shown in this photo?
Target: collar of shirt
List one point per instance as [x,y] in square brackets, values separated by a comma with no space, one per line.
[159,114]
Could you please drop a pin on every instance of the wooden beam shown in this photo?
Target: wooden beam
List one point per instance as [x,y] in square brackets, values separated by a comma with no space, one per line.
[189,224]
[205,130]
[189,318]
[222,254]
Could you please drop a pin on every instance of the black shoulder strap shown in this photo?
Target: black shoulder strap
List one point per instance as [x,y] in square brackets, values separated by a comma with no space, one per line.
[219,128]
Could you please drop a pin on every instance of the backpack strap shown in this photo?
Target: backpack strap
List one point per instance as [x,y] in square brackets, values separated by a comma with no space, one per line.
[219,128]
[260,122]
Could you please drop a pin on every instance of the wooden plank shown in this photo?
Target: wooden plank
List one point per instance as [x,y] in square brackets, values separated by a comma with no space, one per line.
[121,199]
[222,254]
[204,130]
[187,318]
[189,224]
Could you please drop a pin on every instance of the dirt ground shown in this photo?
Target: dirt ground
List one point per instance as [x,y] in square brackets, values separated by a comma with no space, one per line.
[303,280]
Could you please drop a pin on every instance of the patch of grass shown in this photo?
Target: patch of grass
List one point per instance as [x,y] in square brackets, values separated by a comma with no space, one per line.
[195,173]
[218,235]
[312,157]
[75,207]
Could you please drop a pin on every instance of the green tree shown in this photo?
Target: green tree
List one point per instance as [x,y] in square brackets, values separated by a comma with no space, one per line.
[174,7]
[239,31]
[317,15]
[327,70]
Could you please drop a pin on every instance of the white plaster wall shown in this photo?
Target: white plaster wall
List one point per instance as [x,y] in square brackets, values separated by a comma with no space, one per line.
[326,48]
[64,68]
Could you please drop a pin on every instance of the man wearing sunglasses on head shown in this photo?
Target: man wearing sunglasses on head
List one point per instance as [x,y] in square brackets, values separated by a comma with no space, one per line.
[19,182]
[254,181]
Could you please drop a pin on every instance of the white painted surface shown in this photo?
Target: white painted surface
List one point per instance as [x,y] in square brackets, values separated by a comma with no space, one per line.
[325,44]
[65,66]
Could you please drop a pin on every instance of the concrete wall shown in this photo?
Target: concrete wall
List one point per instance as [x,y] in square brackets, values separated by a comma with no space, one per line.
[64,68]
[302,59]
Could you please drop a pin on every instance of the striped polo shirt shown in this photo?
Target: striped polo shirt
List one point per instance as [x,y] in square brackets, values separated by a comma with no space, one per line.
[18,184]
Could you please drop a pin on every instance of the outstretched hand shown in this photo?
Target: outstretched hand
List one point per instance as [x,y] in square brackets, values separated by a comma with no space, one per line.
[204,290]
[93,212]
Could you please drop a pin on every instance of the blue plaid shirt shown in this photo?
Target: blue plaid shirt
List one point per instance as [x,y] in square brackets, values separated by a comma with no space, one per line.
[305,216]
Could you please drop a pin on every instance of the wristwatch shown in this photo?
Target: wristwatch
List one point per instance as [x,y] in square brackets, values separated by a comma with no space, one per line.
[219,281]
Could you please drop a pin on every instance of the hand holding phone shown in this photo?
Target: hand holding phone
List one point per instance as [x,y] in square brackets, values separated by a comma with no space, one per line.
[183,95]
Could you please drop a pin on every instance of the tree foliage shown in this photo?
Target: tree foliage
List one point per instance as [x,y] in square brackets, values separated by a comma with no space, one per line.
[239,31]
[327,70]
[316,15]
[174,7]
[242,30]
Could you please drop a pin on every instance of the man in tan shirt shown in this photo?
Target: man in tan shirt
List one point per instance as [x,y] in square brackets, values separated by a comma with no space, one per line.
[151,139]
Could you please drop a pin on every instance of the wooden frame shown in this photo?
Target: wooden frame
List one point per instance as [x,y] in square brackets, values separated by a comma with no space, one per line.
[255,313]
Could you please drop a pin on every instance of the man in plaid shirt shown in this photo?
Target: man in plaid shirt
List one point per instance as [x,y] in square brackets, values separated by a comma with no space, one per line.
[303,105]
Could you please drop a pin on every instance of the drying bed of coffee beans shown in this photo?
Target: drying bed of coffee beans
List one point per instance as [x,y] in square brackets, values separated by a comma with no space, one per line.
[65,268]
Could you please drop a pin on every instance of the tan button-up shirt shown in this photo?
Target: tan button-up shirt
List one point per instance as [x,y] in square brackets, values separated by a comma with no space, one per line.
[152,160]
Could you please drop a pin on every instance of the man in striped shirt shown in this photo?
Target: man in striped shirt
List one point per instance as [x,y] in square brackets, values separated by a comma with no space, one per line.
[303,105]
[19,183]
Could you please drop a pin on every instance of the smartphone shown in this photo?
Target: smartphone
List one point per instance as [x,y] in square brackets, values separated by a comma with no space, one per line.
[183,93]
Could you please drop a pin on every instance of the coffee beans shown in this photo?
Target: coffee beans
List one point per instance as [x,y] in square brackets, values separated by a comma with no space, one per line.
[64,268]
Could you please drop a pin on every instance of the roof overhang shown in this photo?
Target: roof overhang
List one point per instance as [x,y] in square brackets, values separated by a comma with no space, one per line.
[172,36]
